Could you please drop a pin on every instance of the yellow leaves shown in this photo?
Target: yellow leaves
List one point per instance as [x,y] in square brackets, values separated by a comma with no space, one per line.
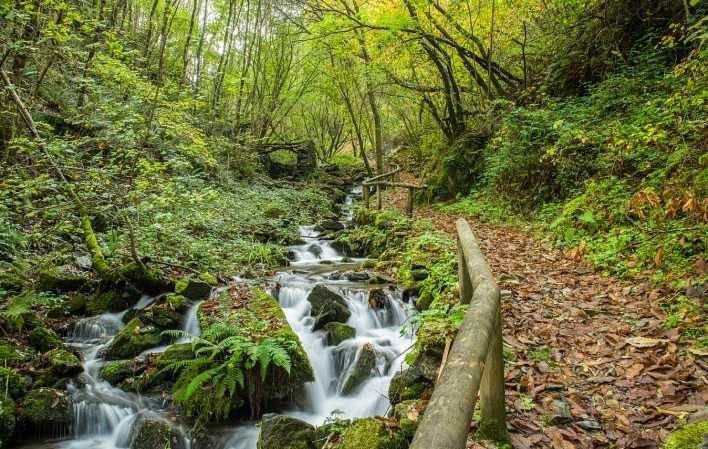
[658,257]
[645,342]
[670,203]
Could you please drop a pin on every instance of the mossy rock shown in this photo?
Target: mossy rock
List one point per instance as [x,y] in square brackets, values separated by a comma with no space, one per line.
[690,436]
[134,338]
[116,371]
[408,415]
[110,301]
[13,382]
[327,306]
[63,363]
[176,352]
[285,432]
[193,289]
[407,385]
[44,339]
[62,279]
[369,433]
[338,332]
[209,278]
[176,302]
[46,411]
[150,280]
[77,302]
[155,433]
[162,316]
[8,421]
[361,369]
[14,354]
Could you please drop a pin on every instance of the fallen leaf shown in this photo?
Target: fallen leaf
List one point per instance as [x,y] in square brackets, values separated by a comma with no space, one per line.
[645,342]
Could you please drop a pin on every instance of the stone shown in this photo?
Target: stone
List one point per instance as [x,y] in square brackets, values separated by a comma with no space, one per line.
[193,289]
[110,301]
[155,433]
[63,363]
[62,279]
[285,432]
[378,278]
[327,306]
[561,413]
[44,339]
[133,339]
[150,281]
[315,249]
[116,371]
[332,225]
[367,433]
[589,425]
[378,299]
[357,276]
[410,293]
[338,332]
[407,385]
[419,274]
[361,369]
[46,411]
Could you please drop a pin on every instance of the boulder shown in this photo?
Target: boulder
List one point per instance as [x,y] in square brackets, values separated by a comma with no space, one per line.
[133,339]
[361,369]
[285,432]
[155,433]
[63,363]
[327,306]
[407,385]
[110,301]
[378,299]
[410,293]
[419,274]
[44,339]
[367,433]
[338,332]
[331,225]
[150,281]
[13,382]
[357,276]
[315,249]
[162,316]
[7,421]
[175,353]
[46,411]
[62,279]
[408,415]
[193,289]
[116,371]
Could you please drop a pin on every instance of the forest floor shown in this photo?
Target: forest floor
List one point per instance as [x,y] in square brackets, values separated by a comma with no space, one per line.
[584,342]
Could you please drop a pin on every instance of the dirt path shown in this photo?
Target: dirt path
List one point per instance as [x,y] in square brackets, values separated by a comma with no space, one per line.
[585,341]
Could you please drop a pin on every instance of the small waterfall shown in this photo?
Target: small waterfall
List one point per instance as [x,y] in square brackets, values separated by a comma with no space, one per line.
[190,324]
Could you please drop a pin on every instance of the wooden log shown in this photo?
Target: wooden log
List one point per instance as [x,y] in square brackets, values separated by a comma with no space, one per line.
[409,206]
[492,424]
[378,197]
[447,418]
[365,195]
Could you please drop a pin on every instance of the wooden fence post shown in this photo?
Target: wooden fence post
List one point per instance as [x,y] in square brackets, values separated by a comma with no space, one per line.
[378,197]
[409,208]
[492,424]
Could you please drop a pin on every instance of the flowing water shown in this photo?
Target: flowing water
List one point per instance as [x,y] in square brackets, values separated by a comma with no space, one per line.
[104,416]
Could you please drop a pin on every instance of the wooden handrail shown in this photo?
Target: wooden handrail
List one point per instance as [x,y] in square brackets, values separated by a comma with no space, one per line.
[367,181]
[377,181]
[475,364]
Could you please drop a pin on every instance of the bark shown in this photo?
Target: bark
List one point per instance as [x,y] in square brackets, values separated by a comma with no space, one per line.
[188,41]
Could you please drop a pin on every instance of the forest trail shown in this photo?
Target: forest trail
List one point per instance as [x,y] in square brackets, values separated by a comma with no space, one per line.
[585,343]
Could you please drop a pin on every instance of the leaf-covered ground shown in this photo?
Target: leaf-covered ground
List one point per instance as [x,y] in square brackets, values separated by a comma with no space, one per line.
[595,343]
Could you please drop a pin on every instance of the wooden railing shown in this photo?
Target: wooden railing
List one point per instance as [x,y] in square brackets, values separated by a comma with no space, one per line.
[388,179]
[475,364]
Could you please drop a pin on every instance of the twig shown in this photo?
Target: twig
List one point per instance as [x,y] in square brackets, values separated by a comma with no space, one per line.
[448,342]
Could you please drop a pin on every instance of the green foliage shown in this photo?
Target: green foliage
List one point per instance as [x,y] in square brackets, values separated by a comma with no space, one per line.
[687,437]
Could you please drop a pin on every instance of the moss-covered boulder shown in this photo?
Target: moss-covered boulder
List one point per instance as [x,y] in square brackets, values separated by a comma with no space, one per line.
[7,421]
[146,280]
[193,289]
[65,278]
[408,414]
[162,316]
[14,354]
[690,436]
[44,339]
[285,432]
[338,332]
[110,301]
[63,363]
[407,385]
[155,433]
[369,433]
[13,382]
[134,338]
[361,369]
[176,352]
[116,371]
[327,306]
[46,411]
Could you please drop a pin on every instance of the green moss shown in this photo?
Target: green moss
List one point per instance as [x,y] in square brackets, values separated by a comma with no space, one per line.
[44,339]
[62,362]
[13,354]
[13,382]
[689,436]
[176,302]
[369,433]
[116,371]
[338,332]
[46,408]
[133,339]
[7,422]
[180,351]
[360,371]
[209,279]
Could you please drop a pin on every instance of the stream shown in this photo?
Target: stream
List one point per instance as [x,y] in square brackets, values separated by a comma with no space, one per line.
[104,416]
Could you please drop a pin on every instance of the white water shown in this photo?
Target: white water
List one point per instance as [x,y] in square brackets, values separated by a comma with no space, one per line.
[104,415]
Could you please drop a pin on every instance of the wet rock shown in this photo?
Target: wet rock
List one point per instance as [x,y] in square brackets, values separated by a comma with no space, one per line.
[419,274]
[65,278]
[331,225]
[428,365]
[44,339]
[285,432]
[155,433]
[378,299]
[116,371]
[110,301]
[561,413]
[193,289]
[361,369]
[162,316]
[338,332]
[133,339]
[335,276]
[327,306]
[589,425]
[315,249]
[150,281]
[378,278]
[8,421]
[63,363]
[46,411]
[357,276]
[347,259]
[369,433]
[410,293]
[292,256]
[407,385]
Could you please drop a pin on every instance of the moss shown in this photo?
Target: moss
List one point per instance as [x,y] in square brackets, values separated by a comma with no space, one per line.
[180,351]
[44,339]
[153,433]
[116,371]
[176,302]
[7,421]
[407,385]
[62,279]
[284,432]
[13,354]
[46,409]
[193,289]
[63,363]
[148,280]
[209,279]
[688,437]
[361,369]
[11,381]
[338,332]
[133,339]
[109,301]
[369,433]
